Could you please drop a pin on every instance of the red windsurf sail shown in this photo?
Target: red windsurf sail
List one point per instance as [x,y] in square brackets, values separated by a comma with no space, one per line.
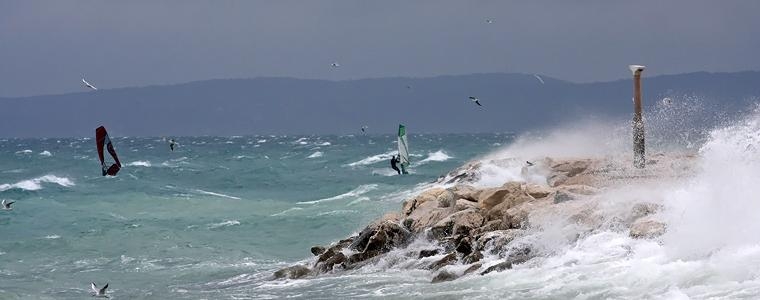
[103,141]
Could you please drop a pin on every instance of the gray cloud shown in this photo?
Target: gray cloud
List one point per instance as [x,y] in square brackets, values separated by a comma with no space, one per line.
[46,46]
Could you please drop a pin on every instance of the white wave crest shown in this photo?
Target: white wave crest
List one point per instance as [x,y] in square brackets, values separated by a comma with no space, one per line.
[46,153]
[216,194]
[373,159]
[439,155]
[316,154]
[361,190]
[27,151]
[140,163]
[286,211]
[224,224]
[324,144]
[36,183]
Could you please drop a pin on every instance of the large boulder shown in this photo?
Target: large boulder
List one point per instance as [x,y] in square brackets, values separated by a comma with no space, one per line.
[466,192]
[509,194]
[428,253]
[643,209]
[429,196]
[446,260]
[647,228]
[498,267]
[444,276]
[292,272]
[328,264]
[458,223]
[537,191]
[317,250]
[564,170]
[497,241]
[467,173]
[378,238]
[463,204]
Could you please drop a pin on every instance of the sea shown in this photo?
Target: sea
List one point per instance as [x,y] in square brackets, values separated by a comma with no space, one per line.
[216,217]
[211,220]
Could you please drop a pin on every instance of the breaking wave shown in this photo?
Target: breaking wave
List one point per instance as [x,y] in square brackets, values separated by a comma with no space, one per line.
[316,154]
[36,183]
[139,163]
[439,155]
[216,194]
[373,159]
[361,190]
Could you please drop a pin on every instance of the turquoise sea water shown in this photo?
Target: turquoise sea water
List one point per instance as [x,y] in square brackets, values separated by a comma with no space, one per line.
[211,220]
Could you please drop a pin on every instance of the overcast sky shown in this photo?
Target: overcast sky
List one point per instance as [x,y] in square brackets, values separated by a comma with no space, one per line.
[47,46]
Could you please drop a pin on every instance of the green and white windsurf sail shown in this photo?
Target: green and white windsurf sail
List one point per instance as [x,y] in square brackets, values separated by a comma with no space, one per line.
[403,148]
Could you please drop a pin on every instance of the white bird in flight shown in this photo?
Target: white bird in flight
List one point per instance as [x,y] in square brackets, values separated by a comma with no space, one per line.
[335,65]
[99,292]
[476,100]
[87,84]
[539,78]
[7,205]
[489,21]
[364,128]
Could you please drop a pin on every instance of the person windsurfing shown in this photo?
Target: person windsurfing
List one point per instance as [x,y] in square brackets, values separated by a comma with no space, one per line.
[172,144]
[395,160]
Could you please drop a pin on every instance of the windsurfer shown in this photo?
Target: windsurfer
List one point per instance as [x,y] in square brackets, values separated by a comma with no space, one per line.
[395,160]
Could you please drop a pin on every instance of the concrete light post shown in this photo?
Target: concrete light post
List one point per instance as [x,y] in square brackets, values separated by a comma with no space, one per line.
[639,159]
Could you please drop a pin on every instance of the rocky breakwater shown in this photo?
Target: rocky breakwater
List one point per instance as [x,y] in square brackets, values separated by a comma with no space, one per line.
[450,229]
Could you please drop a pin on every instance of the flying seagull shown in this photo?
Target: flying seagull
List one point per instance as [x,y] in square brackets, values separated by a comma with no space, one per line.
[364,128]
[539,78]
[99,292]
[530,164]
[7,205]
[335,65]
[476,100]
[87,84]
[489,21]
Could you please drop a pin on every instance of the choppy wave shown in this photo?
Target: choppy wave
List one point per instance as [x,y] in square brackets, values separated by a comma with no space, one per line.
[46,153]
[27,151]
[216,194]
[361,190]
[286,211]
[224,224]
[439,155]
[140,163]
[316,154]
[373,159]
[36,183]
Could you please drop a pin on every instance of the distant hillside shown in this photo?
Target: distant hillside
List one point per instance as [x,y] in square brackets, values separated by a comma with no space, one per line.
[511,102]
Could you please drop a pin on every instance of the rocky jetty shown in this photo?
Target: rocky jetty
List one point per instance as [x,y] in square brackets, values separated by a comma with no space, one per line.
[463,223]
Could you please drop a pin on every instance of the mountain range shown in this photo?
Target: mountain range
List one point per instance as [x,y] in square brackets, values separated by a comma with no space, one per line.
[511,103]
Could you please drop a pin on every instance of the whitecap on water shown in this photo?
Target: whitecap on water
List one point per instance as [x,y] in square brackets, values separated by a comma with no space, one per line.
[224,224]
[27,151]
[216,194]
[361,190]
[439,155]
[36,183]
[316,154]
[140,163]
[373,159]
[46,153]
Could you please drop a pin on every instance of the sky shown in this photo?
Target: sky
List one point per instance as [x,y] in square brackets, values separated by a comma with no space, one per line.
[46,47]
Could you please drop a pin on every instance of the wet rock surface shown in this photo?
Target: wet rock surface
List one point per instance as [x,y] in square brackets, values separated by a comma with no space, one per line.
[466,225]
